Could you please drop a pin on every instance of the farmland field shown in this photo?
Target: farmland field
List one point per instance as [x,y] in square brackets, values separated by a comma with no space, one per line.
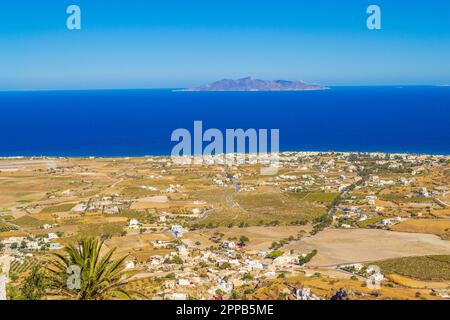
[6,227]
[339,246]
[440,227]
[436,268]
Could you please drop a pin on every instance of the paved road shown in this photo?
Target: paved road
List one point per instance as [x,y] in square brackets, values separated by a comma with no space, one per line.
[207,212]
[229,199]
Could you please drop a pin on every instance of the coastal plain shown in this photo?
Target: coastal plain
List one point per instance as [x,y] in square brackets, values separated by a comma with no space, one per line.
[209,231]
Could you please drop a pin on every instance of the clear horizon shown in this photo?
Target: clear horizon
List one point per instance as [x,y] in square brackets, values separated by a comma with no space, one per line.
[146,45]
[172,88]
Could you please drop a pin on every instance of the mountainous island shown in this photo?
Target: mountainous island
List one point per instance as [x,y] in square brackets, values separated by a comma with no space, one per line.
[251,84]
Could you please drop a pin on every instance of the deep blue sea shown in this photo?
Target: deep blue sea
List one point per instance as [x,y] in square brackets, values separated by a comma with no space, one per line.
[140,122]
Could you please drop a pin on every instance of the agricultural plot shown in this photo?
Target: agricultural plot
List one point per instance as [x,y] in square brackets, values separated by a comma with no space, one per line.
[6,227]
[30,222]
[320,197]
[439,227]
[342,246]
[59,208]
[285,207]
[24,265]
[429,268]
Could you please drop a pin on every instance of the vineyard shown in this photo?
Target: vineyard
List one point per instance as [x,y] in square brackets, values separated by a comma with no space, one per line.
[6,228]
[24,265]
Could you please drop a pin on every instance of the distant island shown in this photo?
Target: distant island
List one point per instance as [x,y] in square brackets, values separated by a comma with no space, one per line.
[251,84]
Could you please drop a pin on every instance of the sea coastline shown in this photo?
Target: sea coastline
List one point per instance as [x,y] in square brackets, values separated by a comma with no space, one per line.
[121,123]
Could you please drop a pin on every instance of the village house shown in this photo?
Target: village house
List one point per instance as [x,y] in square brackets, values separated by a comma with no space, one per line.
[183,282]
[81,207]
[32,245]
[178,230]
[371,199]
[55,246]
[134,224]
[111,210]
[229,245]
[161,244]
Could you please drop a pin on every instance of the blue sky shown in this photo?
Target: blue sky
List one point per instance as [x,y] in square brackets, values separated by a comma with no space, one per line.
[178,43]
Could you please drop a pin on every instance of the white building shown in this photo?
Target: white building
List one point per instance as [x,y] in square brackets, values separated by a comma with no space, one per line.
[183,282]
[81,207]
[133,224]
[55,246]
[371,200]
[178,230]
[183,252]
[176,296]
[52,236]
[229,245]
[254,264]
[33,245]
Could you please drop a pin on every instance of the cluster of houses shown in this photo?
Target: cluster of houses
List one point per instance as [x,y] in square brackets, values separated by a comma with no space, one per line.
[30,243]
[107,204]
[217,271]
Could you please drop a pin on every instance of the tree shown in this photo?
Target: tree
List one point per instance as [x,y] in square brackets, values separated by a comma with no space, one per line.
[35,285]
[247,276]
[275,254]
[305,259]
[244,239]
[220,292]
[12,293]
[275,245]
[100,277]
[176,260]
[225,265]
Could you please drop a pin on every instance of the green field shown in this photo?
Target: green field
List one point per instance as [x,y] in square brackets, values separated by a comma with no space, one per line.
[321,197]
[267,208]
[436,268]
[368,222]
[101,229]
[59,208]
[399,198]
[137,192]
[28,221]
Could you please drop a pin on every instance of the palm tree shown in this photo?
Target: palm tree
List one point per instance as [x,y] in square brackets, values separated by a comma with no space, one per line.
[99,277]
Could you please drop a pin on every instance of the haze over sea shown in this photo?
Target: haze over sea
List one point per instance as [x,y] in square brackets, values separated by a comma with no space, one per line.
[140,122]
